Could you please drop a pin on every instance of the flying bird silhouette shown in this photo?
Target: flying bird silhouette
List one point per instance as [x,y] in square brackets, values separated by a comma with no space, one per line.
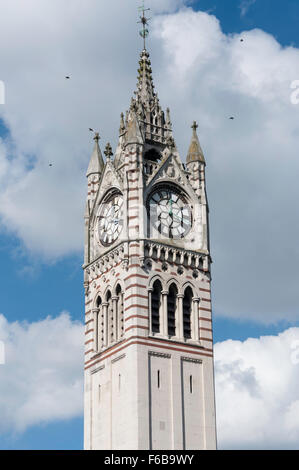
[91,130]
[232,118]
[67,77]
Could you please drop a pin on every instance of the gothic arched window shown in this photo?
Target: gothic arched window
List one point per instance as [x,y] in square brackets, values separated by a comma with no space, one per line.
[171,309]
[187,311]
[156,306]
[98,322]
[109,319]
[119,320]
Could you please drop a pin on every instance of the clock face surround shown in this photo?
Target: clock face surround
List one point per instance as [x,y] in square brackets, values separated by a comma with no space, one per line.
[110,220]
[169,212]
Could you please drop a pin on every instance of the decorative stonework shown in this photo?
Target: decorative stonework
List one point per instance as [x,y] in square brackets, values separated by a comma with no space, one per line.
[191,359]
[118,358]
[97,369]
[159,354]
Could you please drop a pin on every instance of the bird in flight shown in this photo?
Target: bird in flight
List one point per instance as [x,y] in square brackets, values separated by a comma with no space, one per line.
[232,118]
[50,164]
[91,130]
[67,77]
[241,40]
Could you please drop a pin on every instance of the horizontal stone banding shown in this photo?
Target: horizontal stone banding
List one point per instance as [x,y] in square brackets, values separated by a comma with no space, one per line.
[145,307]
[136,295]
[136,275]
[205,319]
[143,317]
[130,342]
[136,326]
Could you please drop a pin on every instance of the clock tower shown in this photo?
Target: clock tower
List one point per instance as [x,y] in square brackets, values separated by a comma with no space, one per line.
[149,380]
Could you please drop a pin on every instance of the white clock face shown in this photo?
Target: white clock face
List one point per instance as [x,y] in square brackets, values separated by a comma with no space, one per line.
[111,219]
[170,213]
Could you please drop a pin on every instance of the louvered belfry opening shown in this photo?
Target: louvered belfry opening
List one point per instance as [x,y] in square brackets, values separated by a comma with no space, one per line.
[156,306]
[171,309]
[187,309]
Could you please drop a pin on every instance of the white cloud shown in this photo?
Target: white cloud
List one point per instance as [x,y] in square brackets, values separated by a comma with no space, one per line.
[245,6]
[257,385]
[42,378]
[200,73]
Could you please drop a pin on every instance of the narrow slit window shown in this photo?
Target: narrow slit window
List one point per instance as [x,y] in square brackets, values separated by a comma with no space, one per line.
[191,384]
[158,379]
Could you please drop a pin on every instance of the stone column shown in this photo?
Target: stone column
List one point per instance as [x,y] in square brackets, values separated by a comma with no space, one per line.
[150,331]
[195,319]
[106,324]
[115,318]
[179,316]
[163,317]
[121,315]
[95,314]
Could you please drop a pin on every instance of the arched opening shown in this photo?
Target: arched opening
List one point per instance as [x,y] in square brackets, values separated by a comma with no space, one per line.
[109,319]
[156,306]
[171,310]
[152,155]
[119,320]
[98,324]
[187,311]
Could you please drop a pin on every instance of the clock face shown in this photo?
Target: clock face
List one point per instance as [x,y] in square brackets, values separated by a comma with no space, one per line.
[169,213]
[111,219]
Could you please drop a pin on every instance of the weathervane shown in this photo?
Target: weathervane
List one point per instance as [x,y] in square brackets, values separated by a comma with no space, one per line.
[144,21]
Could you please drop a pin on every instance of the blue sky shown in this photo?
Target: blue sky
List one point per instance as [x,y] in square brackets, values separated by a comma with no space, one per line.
[41,273]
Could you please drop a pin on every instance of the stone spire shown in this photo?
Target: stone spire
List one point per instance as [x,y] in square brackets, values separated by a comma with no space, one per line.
[195,152]
[145,106]
[145,86]
[96,164]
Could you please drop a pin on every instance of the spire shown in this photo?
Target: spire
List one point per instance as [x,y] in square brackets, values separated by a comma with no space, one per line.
[96,163]
[145,86]
[195,152]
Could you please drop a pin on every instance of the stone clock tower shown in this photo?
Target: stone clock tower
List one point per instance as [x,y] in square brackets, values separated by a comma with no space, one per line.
[149,381]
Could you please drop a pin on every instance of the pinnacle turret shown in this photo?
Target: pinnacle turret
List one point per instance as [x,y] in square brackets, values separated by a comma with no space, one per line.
[195,152]
[96,164]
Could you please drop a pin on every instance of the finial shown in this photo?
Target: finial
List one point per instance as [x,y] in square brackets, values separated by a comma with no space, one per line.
[122,124]
[168,120]
[194,126]
[144,21]
[108,151]
[96,137]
